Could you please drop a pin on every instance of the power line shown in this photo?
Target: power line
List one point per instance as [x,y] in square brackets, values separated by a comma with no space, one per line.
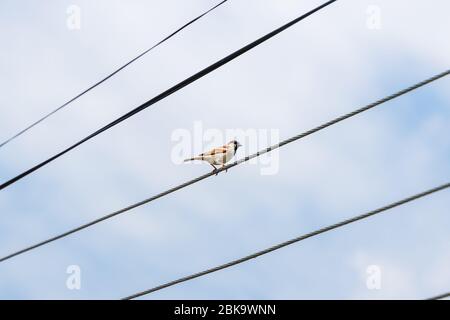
[110,75]
[188,183]
[441,296]
[169,91]
[289,242]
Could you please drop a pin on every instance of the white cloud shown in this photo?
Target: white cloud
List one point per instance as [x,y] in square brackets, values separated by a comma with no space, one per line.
[319,69]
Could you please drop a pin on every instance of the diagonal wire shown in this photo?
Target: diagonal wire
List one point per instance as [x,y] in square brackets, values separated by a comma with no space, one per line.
[110,75]
[169,92]
[441,296]
[292,241]
[200,178]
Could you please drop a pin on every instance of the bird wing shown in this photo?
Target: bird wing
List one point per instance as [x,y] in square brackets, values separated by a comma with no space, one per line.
[214,151]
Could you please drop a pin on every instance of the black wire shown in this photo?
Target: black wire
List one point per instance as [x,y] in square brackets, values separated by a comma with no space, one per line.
[441,296]
[110,75]
[289,242]
[181,186]
[170,91]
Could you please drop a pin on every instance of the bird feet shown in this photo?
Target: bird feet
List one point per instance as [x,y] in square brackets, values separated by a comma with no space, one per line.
[216,171]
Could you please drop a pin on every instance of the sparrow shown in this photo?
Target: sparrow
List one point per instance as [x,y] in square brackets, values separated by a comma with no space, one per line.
[218,156]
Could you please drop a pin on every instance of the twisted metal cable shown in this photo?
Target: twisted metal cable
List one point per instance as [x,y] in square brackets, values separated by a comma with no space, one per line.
[292,241]
[213,173]
[168,92]
[441,296]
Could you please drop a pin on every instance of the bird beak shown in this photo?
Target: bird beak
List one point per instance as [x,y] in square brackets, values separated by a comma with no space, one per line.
[239,145]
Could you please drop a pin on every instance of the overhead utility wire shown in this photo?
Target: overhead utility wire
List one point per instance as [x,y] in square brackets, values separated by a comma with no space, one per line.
[289,242]
[109,76]
[441,296]
[168,92]
[181,186]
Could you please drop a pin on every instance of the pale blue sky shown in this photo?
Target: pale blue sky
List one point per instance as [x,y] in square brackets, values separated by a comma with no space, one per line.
[323,67]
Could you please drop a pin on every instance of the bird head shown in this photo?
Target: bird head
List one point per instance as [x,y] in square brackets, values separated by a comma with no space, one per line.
[235,143]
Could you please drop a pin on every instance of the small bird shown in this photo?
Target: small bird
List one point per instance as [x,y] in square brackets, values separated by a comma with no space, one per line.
[218,156]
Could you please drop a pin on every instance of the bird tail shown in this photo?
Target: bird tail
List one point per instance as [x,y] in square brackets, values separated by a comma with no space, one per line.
[194,158]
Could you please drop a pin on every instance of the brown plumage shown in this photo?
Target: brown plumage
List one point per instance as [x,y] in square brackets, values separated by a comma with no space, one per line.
[218,156]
